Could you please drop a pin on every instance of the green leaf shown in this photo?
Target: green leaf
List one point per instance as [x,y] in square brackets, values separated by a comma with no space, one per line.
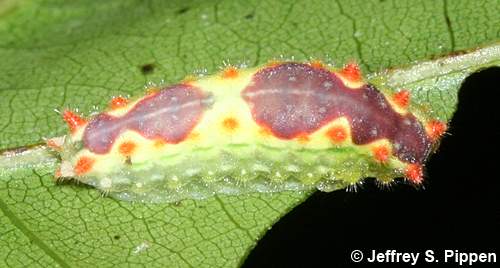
[56,54]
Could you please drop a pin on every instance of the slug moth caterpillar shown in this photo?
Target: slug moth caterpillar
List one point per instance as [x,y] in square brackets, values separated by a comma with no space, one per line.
[282,126]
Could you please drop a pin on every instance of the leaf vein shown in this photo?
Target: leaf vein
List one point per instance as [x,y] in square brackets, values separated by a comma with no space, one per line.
[30,235]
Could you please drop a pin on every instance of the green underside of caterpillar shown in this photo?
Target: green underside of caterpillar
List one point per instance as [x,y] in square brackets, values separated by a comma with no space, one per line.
[239,169]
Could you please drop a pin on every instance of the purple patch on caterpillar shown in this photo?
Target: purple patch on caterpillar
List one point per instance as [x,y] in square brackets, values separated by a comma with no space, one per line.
[292,99]
[169,115]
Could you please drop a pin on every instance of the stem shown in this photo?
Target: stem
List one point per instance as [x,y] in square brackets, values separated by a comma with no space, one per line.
[434,84]
[468,62]
[26,157]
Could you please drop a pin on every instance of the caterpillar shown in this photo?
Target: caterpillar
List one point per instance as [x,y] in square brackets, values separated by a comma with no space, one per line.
[282,126]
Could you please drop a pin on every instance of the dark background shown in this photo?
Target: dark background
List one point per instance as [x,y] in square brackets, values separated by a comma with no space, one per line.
[457,208]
